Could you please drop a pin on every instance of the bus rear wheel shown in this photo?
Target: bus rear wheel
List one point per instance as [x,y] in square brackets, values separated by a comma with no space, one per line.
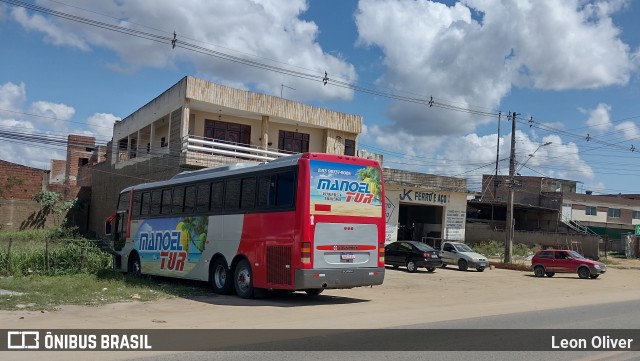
[314,291]
[243,280]
[220,277]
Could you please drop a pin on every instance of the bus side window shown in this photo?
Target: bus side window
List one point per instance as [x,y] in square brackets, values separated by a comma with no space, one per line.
[248,194]
[216,196]
[156,201]
[232,195]
[202,202]
[267,191]
[166,202]
[146,202]
[137,203]
[286,189]
[190,199]
[178,200]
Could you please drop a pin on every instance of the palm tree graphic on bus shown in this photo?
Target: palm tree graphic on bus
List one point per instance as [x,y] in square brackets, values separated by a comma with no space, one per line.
[372,176]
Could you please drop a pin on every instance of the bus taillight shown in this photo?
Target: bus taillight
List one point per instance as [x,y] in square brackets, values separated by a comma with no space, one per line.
[305,252]
[381,255]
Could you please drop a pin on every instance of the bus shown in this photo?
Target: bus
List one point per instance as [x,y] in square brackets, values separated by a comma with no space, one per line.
[305,222]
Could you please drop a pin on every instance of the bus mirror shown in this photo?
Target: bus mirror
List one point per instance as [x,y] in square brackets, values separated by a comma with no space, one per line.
[108,225]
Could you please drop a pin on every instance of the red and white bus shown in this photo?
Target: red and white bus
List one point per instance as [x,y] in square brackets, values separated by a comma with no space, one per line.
[309,221]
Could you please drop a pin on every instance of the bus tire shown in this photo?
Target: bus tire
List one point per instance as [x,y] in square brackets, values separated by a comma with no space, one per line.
[314,291]
[220,277]
[134,267]
[243,280]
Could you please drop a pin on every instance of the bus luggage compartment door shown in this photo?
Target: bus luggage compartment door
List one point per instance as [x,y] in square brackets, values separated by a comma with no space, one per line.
[345,245]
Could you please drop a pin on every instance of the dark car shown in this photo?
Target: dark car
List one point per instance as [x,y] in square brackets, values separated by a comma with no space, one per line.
[412,255]
[551,261]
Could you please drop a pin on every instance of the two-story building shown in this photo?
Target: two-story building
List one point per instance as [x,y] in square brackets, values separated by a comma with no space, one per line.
[197,123]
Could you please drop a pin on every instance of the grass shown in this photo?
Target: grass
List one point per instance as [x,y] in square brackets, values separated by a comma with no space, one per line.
[106,286]
[67,256]
[75,272]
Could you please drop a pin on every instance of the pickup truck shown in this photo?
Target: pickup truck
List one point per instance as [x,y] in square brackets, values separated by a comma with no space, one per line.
[455,253]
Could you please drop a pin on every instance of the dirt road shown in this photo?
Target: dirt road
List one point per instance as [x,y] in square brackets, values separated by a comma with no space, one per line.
[403,299]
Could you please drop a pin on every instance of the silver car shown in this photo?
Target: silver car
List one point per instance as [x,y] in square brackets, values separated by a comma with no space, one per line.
[460,254]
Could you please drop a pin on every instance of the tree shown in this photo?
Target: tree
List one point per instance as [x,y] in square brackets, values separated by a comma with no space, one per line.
[52,203]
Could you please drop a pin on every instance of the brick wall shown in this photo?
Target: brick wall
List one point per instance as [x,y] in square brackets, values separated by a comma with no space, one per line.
[32,180]
[58,171]
[23,214]
[79,151]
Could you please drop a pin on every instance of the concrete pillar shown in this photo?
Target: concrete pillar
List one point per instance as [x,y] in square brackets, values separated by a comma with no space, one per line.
[265,132]
[152,136]
[184,129]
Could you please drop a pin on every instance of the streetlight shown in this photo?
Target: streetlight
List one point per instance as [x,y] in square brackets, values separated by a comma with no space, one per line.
[508,244]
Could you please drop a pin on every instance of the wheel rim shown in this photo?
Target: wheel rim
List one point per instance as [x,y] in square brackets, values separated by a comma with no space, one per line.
[584,273]
[411,267]
[220,276]
[244,280]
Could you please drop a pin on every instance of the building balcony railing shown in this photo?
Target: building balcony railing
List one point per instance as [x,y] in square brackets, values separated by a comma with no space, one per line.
[194,147]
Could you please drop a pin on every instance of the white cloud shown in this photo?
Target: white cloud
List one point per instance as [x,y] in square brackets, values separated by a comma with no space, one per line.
[101,125]
[51,113]
[473,155]
[629,129]
[599,118]
[471,54]
[53,34]
[270,28]
[12,96]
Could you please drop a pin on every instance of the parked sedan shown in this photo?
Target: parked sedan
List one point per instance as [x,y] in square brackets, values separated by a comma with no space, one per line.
[551,261]
[412,255]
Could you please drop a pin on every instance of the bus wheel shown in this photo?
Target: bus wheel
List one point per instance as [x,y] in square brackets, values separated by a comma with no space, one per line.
[134,268]
[220,277]
[243,281]
[314,291]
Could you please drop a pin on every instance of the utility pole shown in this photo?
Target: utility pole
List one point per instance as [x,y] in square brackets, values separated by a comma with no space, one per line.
[495,179]
[508,244]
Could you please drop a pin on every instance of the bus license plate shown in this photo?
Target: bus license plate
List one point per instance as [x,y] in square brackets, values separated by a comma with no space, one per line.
[347,256]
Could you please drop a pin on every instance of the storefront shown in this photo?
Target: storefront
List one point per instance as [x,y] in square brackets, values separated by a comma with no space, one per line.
[423,213]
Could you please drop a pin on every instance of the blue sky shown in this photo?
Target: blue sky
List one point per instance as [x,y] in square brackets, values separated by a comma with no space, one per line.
[571,66]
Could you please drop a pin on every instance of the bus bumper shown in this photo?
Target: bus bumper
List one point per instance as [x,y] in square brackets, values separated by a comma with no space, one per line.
[338,278]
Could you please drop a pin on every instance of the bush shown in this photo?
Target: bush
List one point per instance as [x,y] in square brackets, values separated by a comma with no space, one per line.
[495,249]
[65,257]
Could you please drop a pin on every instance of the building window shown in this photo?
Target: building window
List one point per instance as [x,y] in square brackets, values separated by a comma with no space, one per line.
[635,215]
[591,211]
[163,142]
[614,213]
[293,142]
[349,147]
[225,132]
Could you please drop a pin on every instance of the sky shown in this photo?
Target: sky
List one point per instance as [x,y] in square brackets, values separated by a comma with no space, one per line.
[428,77]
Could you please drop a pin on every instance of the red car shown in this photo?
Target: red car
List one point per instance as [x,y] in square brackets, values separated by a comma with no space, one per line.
[551,261]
